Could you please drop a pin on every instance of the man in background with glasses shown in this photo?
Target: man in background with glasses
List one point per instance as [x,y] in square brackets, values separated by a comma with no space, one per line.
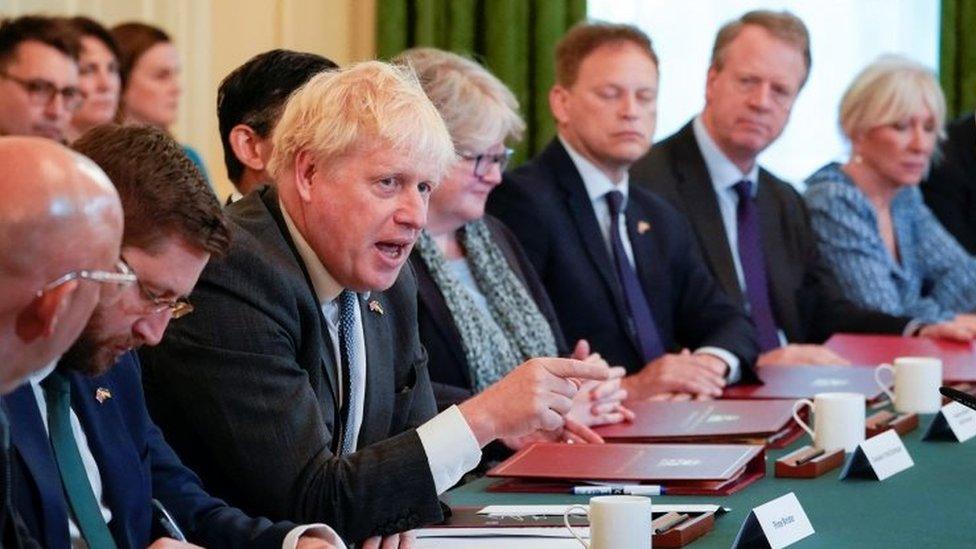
[88,459]
[38,76]
[60,228]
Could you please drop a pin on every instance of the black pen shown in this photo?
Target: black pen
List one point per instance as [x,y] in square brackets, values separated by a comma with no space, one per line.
[962,398]
[167,522]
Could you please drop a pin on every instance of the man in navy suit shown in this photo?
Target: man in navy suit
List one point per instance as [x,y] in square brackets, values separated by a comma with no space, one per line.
[87,459]
[619,263]
[61,226]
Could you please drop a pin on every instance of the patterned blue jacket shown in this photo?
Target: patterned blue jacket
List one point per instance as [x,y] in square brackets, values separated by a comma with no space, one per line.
[936,278]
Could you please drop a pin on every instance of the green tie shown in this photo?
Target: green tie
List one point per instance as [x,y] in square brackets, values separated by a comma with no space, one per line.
[84,507]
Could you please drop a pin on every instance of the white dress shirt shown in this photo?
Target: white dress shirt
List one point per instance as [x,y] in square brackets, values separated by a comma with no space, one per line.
[95,477]
[451,447]
[597,186]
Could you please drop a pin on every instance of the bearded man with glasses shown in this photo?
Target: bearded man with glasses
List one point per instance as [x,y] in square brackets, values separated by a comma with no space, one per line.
[88,460]
[38,76]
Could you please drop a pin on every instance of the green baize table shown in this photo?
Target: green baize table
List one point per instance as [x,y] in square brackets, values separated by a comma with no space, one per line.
[932,504]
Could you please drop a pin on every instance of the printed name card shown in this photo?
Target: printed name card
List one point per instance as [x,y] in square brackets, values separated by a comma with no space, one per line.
[780,523]
[878,457]
[954,421]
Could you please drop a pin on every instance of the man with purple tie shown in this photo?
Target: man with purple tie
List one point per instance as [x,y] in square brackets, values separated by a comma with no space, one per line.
[620,264]
[752,228]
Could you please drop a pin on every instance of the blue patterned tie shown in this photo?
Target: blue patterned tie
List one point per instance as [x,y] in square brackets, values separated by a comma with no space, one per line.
[352,376]
[74,479]
[642,324]
[754,267]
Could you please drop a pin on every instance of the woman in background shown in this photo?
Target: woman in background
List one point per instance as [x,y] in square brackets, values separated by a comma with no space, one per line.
[888,250]
[482,309]
[150,70]
[98,77]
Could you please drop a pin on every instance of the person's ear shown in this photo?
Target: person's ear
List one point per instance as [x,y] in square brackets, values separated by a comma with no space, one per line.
[41,316]
[558,100]
[246,144]
[304,170]
[710,84]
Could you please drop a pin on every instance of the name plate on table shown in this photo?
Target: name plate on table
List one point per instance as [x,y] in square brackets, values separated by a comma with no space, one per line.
[780,522]
[954,421]
[878,457]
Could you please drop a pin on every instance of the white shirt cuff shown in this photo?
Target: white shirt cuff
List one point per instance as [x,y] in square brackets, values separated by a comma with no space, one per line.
[451,448]
[735,372]
[320,531]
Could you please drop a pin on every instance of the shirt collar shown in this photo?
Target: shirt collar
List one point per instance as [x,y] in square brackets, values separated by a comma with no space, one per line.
[326,287]
[596,182]
[723,172]
[42,374]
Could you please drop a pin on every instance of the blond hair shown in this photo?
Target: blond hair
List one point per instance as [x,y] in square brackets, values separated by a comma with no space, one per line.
[781,24]
[478,109]
[890,89]
[371,104]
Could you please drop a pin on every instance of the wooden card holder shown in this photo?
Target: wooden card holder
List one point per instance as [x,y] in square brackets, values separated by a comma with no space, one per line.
[809,462]
[885,420]
[682,533]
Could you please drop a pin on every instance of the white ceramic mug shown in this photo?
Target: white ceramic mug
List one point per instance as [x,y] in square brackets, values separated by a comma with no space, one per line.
[616,522]
[838,420]
[917,380]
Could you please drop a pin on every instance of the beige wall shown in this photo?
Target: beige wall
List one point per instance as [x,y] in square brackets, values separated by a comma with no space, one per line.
[214,36]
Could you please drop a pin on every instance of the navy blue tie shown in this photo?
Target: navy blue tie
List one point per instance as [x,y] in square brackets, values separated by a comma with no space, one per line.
[642,325]
[754,267]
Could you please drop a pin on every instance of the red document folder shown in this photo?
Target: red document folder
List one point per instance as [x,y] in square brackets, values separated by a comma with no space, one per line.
[792,382]
[958,359]
[768,422]
[683,469]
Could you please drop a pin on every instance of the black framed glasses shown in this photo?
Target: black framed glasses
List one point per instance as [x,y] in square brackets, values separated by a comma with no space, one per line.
[114,281]
[483,162]
[154,304]
[42,92]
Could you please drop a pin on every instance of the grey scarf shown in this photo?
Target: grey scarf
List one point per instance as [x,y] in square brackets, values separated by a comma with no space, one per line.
[512,331]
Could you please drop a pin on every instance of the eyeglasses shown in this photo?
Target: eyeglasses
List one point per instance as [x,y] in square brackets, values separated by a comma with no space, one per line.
[114,282]
[178,307]
[483,162]
[41,92]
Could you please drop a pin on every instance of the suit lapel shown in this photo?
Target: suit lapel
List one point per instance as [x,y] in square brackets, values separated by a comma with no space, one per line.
[701,205]
[29,437]
[651,267]
[377,406]
[270,199]
[118,460]
[577,201]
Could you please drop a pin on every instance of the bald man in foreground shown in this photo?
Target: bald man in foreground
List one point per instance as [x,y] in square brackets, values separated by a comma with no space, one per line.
[61,228]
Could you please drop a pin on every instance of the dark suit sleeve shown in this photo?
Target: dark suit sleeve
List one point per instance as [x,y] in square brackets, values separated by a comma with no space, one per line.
[704,314]
[232,382]
[205,520]
[518,209]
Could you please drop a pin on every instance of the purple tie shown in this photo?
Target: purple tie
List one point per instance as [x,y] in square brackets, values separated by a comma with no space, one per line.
[642,325]
[754,268]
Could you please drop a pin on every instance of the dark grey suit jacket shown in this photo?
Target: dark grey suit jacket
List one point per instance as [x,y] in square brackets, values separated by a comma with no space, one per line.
[245,391]
[806,300]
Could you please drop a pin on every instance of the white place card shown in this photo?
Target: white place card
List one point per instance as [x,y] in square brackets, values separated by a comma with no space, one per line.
[781,522]
[954,421]
[878,457]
